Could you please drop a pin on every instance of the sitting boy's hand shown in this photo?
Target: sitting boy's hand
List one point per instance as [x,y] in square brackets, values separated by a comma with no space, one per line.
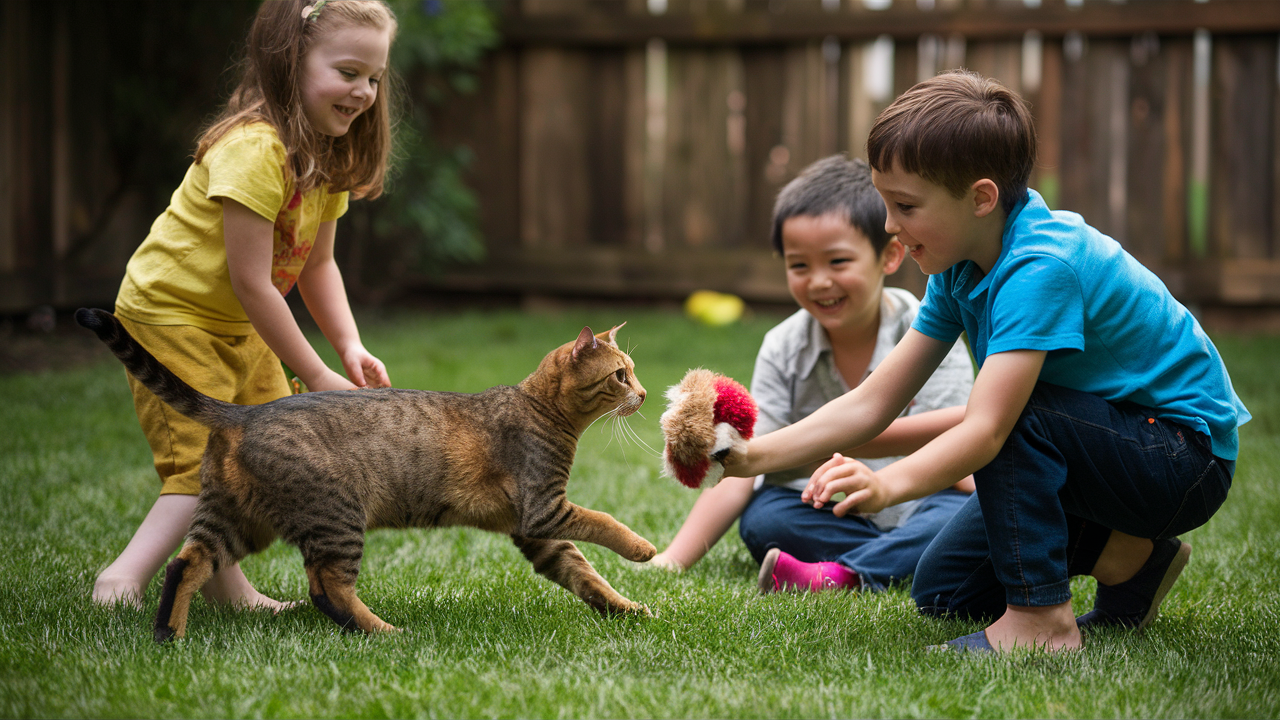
[863,490]
[666,562]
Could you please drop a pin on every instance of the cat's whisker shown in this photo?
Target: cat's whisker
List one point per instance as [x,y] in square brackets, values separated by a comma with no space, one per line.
[619,434]
[603,427]
[629,433]
[635,437]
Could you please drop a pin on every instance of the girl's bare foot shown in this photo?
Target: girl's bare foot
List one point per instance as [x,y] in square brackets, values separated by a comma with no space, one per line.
[258,601]
[116,590]
[229,586]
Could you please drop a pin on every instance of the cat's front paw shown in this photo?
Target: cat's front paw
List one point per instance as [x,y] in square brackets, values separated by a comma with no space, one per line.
[641,551]
[627,607]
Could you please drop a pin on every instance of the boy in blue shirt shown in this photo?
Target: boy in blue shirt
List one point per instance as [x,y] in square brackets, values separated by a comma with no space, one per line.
[1102,422]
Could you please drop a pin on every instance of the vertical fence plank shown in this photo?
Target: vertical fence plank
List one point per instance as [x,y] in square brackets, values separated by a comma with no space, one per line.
[1273,86]
[1177,139]
[634,136]
[32,251]
[1145,210]
[1089,96]
[1047,177]
[488,122]
[763,83]
[682,215]
[1118,143]
[702,177]
[607,104]
[10,46]
[554,171]
[997,59]
[871,85]
[1241,173]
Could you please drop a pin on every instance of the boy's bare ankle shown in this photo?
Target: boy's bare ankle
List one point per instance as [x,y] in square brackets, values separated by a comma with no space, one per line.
[1121,559]
[1050,628]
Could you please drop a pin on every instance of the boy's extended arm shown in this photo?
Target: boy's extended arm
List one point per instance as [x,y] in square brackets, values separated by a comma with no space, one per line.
[851,420]
[908,434]
[712,515]
[326,297]
[249,239]
[999,395]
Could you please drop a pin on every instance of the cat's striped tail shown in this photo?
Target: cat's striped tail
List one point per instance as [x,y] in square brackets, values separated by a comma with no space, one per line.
[156,377]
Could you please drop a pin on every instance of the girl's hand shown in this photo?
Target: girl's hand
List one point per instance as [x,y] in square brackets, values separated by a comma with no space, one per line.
[364,369]
[328,380]
[864,493]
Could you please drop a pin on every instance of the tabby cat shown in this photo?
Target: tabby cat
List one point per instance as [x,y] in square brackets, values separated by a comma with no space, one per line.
[319,469]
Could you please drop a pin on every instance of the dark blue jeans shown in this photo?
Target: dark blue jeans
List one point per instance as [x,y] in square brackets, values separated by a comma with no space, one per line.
[1074,468]
[777,518]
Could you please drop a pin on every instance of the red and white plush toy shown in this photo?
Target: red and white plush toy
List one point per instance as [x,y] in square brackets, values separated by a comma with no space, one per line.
[707,416]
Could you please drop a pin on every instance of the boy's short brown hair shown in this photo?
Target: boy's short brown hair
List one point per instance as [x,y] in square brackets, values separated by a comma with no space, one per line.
[836,185]
[955,129]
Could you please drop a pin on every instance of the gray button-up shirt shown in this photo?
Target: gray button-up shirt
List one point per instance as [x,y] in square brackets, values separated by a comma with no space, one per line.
[796,374]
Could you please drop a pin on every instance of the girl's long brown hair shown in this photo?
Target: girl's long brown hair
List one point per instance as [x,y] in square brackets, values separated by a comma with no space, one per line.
[270,91]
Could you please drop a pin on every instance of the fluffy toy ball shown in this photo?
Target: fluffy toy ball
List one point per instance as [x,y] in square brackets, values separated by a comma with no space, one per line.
[707,416]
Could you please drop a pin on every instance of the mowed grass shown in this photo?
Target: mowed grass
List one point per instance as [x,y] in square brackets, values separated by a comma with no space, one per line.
[487,637]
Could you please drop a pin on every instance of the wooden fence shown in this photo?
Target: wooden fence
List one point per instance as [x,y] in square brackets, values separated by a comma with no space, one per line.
[621,152]
[633,148]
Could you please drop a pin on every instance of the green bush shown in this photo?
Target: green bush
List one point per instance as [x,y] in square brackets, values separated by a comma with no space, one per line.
[428,217]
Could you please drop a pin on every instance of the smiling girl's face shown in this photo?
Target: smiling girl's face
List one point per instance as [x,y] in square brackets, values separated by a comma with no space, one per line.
[341,74]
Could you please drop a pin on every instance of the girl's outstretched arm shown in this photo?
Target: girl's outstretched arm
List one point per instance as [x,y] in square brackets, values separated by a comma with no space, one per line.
[249,239]
[326,297]
[712,515]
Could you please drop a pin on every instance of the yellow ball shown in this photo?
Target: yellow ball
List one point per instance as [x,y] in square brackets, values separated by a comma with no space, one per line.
[712,308]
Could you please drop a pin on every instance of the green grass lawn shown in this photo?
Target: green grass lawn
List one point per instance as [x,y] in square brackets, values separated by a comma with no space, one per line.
[487,637]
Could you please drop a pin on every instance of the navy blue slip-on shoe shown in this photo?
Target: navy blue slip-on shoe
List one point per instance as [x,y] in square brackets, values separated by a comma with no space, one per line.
[977,642]
[1134,603]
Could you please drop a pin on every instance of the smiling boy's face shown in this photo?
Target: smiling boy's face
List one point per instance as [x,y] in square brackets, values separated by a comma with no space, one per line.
[938,229]
[833,271]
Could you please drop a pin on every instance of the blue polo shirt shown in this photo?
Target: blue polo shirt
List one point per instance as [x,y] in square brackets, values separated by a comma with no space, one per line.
[1109,326]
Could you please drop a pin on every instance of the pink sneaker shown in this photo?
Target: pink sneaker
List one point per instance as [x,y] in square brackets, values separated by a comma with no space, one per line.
[781,571]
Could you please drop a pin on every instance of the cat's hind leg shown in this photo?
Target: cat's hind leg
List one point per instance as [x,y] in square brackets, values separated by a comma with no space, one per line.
[563,563]
[185,574]
[333,590]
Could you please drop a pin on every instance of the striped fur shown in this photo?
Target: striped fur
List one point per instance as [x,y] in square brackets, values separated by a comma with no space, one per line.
[319,469]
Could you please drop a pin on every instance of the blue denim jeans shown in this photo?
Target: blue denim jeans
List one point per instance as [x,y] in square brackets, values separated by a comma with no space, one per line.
[777,518]
[1074,468]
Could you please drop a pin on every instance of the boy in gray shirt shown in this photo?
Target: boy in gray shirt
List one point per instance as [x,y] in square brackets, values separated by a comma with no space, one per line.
[828,225]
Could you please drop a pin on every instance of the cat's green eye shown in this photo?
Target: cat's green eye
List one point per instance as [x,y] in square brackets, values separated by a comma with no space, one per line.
[621,375]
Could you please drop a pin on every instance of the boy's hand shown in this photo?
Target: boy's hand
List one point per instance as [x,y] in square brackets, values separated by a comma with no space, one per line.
[364,369]
[864,493]
[666,562]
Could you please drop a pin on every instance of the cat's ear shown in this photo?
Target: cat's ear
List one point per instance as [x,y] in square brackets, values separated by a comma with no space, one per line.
[613,335]
[586,341]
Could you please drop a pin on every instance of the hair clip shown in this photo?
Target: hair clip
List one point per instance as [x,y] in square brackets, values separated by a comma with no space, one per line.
[311,12]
